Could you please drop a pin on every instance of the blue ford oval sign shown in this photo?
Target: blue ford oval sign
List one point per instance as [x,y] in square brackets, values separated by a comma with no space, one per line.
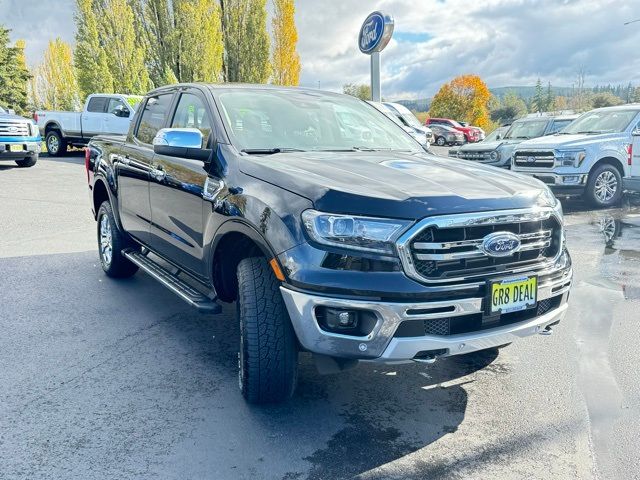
[375,32]
[500,244]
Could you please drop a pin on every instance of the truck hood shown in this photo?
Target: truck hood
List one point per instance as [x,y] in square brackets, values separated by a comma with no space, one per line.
[570,141]
[7,116]
[392,184]
[487,146]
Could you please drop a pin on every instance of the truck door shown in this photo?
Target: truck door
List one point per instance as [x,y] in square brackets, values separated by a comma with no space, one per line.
[93,116]
[134,167]
[176,191]
[633,181]
[118,117]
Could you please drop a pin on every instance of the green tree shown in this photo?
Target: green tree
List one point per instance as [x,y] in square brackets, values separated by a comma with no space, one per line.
[285,58]
[125,53]
[183,39]
[56,83]
[358,90]
[14,75]
[246,41]
[549,98]
[90,58]
[539,101]
[606,99]
[511,108]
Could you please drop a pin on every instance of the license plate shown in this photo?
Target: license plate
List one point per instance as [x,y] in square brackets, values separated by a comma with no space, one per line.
[514,295]
[16,148]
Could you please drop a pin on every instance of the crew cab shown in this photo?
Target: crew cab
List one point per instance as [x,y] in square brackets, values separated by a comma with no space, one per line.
[498,152]
[471,134]
[102,114]
[19,139]
[589,157]
[350,248]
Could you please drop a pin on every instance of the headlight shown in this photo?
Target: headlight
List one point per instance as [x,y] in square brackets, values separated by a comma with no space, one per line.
[547,198]
[494,156]
[377,235]
[571,158]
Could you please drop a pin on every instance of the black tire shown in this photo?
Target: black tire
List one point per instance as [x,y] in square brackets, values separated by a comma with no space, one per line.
[603,174]
[440,141]
[268,353]
[56,145]
[27,162]
[114,265]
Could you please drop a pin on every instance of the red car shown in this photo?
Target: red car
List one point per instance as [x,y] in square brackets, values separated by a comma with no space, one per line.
[471,134]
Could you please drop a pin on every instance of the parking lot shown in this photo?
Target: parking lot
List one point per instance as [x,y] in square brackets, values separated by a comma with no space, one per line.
[120,379]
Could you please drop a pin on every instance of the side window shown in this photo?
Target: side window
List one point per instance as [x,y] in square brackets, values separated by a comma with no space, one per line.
[115,103]
[558,125]
[153,117]
[97,104]
[192,113]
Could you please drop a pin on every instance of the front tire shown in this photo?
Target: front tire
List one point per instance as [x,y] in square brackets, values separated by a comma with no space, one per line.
[268,353]
[27,162]
[604,187]
[440,141]
[56,145]
[111,242]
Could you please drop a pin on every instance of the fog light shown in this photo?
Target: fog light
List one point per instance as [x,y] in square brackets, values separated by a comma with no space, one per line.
[344,321]
[337,319]
[570,179]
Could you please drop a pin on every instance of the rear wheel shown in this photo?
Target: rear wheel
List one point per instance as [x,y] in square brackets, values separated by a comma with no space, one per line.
[440,141]
[27,162]
[111,242]
[268,353]
[56,145]
[604,187]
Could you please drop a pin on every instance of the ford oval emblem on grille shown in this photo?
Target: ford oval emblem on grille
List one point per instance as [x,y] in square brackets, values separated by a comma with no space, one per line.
[13,129]
[531,159]
[500,244]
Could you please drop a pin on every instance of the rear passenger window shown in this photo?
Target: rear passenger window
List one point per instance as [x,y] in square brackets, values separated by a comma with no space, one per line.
[191,113]
[97,104]
[153,117]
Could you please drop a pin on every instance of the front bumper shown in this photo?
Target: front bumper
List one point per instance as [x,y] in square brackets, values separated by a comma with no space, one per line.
[568,183]
[27,148]
[383,346]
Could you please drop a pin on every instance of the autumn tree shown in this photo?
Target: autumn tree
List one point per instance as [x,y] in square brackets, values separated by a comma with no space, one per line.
[14,74]
[358,90]
[246,41]
[605,99]
[511,108]
[285,59]
[56,86]
[90,58]
[183,39]
[464,98]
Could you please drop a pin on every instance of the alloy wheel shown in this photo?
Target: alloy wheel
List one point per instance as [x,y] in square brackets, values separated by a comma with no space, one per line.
[606,186]
[106,244]
[53,144]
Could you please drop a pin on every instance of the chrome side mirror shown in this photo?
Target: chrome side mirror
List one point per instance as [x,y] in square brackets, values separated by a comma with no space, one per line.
[121,111]
[636,132]
[180,142]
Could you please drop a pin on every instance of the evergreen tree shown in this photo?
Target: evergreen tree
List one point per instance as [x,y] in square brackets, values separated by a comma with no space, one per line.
[92,66]
[285,58]
[14,75]
[244,23]
[549,99]
[539,101]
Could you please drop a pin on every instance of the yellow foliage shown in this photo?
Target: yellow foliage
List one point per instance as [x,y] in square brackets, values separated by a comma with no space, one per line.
[464,98]
[56,78]
[285,59]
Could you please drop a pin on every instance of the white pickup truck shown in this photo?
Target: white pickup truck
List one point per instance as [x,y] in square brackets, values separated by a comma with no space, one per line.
[102,114]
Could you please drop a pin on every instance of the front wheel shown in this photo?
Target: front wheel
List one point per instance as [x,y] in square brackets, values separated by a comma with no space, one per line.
[604,187]
[27,162]
[440,141]
[111,242]
[268,352]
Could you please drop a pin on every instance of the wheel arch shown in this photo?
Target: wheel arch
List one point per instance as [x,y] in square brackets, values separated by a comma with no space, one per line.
[101,193]
[613,161]
[52,125]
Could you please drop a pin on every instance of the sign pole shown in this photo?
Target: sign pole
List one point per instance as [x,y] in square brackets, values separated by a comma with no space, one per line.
[376,94]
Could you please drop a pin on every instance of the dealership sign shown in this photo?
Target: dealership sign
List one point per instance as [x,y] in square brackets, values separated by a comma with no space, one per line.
[375,33]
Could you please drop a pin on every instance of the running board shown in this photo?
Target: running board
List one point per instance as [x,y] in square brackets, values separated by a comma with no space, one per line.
[174,283]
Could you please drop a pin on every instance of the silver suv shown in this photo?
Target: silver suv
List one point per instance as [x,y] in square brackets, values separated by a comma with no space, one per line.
[498,152]
[589,157]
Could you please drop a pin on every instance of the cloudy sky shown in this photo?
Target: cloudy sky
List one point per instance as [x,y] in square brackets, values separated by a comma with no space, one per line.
[507,42]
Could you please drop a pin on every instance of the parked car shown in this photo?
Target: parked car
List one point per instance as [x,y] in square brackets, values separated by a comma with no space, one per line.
[480,130]
[498,153]
[102,114]
[352,251]
[444,135]
[471,134]
[409,120]
[418,134]
[19,139]
[589,157]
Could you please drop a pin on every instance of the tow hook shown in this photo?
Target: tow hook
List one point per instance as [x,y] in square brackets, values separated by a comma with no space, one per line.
[428,360]
[547,331]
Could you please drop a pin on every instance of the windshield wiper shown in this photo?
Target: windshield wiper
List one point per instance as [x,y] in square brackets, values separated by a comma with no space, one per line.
[270,151]
[591,132]
[379,149]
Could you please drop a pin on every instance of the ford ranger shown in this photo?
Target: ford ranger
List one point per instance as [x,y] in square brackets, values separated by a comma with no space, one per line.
[589,157]
[102,114]
[351,248]
[19,139]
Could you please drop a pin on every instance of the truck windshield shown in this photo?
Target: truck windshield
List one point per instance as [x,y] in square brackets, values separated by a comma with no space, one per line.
[526,130]
[603,121]
[289,120]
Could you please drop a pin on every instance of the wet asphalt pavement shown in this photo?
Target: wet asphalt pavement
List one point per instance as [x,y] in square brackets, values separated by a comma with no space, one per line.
[120,379]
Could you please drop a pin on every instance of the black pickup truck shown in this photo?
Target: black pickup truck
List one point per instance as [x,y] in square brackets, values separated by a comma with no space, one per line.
[332,229]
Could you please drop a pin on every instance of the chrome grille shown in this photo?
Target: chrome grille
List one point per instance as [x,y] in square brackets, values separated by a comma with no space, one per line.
[14,129]
[449,249]
[534,159]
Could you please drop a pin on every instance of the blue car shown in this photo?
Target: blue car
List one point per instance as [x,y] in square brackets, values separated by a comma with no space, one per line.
[19,139]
